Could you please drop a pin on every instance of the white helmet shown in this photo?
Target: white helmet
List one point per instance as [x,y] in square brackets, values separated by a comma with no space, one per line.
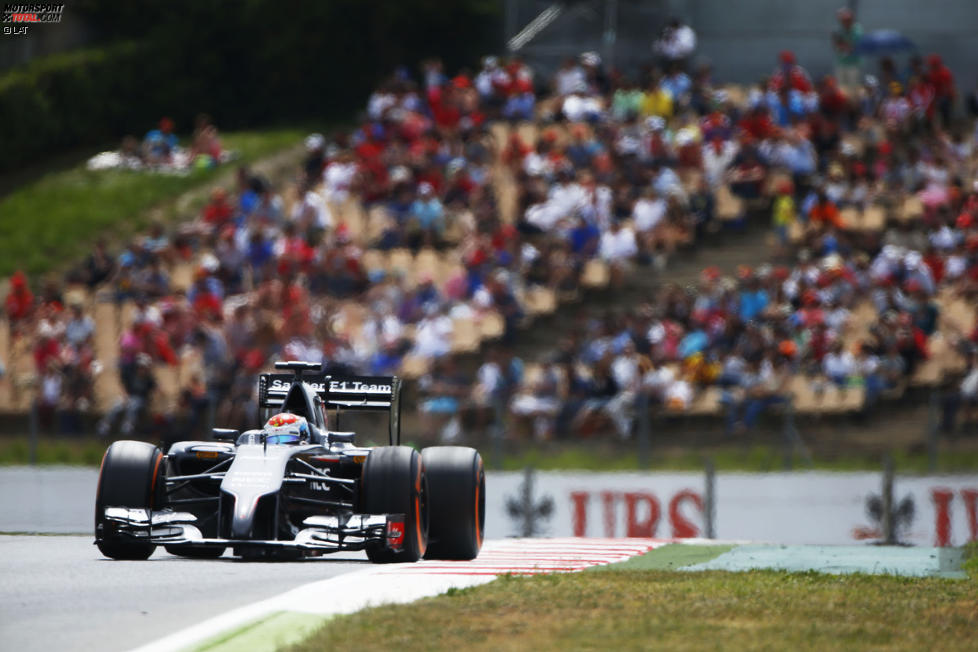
[286,428]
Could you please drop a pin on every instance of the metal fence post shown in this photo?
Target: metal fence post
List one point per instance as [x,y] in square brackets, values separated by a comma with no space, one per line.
[709,498]
[889,534]
[34,427]
[644,430]
[497,430]
[789,443]
[933,429]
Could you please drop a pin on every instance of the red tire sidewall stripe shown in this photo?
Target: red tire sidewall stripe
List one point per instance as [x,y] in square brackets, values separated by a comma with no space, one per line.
[152,483]
[477,515]
[422,544]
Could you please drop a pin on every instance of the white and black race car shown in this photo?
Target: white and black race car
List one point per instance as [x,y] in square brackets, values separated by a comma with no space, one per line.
[294,488]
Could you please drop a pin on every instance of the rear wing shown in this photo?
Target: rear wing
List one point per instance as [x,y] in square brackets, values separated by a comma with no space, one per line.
[361,393]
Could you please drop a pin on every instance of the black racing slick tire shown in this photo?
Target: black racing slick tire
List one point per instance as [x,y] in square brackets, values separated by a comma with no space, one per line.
[131,476]
[394,482]
[456,501]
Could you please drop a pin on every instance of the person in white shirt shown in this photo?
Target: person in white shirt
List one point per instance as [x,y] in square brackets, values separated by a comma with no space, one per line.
[617,247]
[649,211]
[618,244]
[838,364]
[570,78]
[338,177]
[718,155]
[312,210]
[677,42]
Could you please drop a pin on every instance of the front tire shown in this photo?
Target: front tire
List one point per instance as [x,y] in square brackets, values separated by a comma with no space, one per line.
[457,501]
[131,476]
[394,482]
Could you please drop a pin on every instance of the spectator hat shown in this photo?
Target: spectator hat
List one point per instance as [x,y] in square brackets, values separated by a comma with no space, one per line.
[787,57]
[844,13]
[965,220]
[209,262]
[314,142]
[655,123]
[787,348]
[591,59]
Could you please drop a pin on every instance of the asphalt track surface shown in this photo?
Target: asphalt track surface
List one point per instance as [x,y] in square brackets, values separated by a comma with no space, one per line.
[60,593]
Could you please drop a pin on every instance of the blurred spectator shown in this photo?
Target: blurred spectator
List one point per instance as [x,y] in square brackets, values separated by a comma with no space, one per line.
[677,41]
[20,300]
[137,394]
[159,144]
[845,40]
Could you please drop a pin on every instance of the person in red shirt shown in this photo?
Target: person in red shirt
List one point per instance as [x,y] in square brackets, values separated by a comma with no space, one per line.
[47,348]
[825,213]
[940,78]
[218,211]
[20,301]
[757,123]
[789,74]
[935,261]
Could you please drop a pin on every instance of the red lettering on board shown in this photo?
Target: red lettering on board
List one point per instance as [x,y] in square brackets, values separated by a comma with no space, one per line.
[970,497]
[682,528]
[580,500]
[942,505]
[644,528]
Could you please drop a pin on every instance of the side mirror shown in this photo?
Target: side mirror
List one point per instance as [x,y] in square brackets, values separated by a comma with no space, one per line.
[225,434]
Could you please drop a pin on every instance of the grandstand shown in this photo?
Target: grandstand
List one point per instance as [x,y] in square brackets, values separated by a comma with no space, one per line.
[567,220]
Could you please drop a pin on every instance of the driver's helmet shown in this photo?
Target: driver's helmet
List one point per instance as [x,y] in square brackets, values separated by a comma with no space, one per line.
[286,428]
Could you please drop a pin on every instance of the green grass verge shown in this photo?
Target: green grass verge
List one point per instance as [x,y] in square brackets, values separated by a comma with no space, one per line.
[87,451]
[671,557]
[57,218]
[638,610]
[591,457]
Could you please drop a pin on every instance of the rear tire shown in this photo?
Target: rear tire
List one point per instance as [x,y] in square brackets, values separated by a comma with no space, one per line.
[394,482]
[131,476]
[456,500]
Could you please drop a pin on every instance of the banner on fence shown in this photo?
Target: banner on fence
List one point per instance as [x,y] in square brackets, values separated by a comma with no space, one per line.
[800,507]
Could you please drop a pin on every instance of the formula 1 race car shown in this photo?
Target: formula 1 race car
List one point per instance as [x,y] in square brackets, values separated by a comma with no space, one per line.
[294,488]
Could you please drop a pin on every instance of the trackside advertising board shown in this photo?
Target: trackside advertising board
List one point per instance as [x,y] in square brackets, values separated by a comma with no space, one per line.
[800,507]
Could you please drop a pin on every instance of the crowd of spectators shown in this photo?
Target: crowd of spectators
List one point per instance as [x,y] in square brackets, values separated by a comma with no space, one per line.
[622,169]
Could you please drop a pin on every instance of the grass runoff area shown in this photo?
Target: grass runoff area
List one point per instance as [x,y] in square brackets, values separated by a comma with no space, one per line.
[87,451]
[619,608]
[55,219]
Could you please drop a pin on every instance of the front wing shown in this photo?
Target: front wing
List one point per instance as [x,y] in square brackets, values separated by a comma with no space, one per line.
[319,533]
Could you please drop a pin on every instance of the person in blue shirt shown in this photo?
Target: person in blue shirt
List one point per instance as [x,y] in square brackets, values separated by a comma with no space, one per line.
[428,217]
[584,238]
[753,298]
[158,145]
